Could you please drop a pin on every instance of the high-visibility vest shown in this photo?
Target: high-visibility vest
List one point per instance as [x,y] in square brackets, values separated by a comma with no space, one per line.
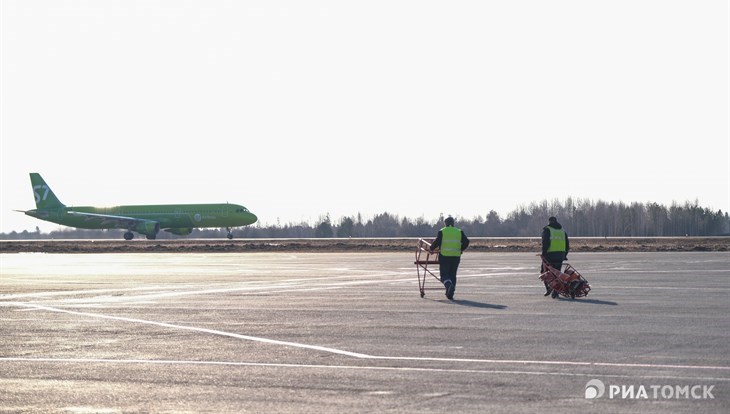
[450,241]
[557,240]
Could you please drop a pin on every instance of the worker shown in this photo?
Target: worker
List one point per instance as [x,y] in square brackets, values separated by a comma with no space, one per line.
[452,242]
[555,247]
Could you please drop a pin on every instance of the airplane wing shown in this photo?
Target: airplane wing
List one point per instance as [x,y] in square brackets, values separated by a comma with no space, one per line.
[121,222]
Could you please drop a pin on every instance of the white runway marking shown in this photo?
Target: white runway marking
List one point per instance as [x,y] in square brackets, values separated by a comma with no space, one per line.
[179,290]
[191,328]
[354,367]
[366,356]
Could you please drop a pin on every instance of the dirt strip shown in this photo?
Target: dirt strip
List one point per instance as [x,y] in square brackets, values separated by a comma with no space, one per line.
[483,244]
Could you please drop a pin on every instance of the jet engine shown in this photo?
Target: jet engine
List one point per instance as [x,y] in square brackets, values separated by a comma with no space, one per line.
[148,228]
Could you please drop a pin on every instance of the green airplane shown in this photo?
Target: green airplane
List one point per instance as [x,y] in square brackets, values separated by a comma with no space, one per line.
[178,219]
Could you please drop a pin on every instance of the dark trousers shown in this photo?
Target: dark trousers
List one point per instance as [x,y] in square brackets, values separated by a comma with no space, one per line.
[448,265]
[555,259]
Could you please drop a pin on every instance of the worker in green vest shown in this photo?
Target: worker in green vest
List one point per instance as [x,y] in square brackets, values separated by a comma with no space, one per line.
[451,241]
[555,247]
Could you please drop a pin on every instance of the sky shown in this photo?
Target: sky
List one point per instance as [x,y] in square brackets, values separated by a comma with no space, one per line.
[297,109]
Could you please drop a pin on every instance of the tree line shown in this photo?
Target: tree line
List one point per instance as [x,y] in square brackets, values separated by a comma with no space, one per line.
[580,218]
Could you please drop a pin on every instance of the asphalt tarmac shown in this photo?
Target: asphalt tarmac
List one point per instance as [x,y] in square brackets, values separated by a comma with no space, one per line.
[335,333]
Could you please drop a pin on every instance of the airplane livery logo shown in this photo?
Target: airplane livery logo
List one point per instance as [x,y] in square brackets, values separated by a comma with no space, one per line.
[38,197]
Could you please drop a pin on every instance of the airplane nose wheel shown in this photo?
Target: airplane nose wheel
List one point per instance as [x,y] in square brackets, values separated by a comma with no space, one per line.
[230,235]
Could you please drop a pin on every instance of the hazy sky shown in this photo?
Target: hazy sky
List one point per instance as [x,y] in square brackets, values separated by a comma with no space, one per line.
[296,109]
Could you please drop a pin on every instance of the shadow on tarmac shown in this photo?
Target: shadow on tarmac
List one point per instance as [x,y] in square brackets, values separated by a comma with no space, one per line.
[593,301]
[477,304]
[468,303]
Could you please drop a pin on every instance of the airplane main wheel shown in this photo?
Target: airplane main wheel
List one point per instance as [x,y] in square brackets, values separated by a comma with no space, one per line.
[151,236]
[128,235]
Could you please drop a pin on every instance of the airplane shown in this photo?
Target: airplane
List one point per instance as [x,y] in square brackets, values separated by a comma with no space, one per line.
[179,219]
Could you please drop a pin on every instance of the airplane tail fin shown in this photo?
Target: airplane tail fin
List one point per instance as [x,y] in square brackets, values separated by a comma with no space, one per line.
[44,197]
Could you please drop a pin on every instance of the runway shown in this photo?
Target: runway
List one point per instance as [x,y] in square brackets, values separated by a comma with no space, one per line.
[349,332]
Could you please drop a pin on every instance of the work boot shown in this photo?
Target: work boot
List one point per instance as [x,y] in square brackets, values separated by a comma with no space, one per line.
[555,294]
[548,290]
[449,289]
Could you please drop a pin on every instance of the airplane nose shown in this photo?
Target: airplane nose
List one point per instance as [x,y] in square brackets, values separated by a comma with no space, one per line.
[253,217]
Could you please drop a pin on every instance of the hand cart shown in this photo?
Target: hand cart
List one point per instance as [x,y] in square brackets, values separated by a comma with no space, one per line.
[568,283]
[424,257]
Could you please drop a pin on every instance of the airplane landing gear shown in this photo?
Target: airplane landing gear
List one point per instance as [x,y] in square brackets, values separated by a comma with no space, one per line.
[230,235]
[151,236]
[128,235]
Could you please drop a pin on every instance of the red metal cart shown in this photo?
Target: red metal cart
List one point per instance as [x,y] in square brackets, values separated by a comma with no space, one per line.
[425,257]
[568,283]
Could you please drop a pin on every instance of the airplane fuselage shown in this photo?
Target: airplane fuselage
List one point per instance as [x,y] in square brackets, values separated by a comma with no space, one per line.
[170,217]
[178,219]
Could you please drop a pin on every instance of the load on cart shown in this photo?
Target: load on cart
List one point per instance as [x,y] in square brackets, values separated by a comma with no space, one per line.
[567,283]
